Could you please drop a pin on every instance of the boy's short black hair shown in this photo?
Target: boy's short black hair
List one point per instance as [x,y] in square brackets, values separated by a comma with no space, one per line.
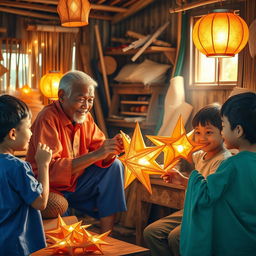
[240,109]
[12,111]
[209,114]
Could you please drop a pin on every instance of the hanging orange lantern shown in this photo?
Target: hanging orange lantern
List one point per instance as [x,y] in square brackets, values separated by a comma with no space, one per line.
[49,84]
[220,34]
[74,13]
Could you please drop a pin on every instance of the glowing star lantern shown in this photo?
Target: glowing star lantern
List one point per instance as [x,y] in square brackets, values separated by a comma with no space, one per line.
[179,145]
[220,34]
[139,160]
[49,84]
[69,238]
[74,13]
[62,229]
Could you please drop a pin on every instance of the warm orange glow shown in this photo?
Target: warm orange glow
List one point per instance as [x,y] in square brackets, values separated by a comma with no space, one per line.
[65,239]
[220,34]
[26,89]
[49,84]
[74,13]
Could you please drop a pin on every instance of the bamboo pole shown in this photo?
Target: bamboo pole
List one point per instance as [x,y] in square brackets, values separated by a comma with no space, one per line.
[47,28]
[193,5]
[102,63]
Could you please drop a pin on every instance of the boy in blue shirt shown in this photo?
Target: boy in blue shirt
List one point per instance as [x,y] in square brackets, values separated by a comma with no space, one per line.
[21,195]
[219,212]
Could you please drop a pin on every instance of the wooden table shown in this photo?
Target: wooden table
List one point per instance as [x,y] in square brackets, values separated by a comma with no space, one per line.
[115,248]
[164,194]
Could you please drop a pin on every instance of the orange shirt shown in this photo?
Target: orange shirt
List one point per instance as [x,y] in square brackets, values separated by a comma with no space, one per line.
[67,141]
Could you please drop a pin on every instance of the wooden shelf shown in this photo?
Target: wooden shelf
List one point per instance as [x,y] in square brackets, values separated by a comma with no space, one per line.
[150,49]
[133,113]
[169,52]
[134,102]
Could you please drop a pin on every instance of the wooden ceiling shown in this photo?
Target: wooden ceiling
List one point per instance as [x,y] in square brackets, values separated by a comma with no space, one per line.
[112,10]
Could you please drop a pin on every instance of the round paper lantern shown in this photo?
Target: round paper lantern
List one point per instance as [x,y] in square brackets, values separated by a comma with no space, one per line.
[220,34]
[49,84]
[74,13]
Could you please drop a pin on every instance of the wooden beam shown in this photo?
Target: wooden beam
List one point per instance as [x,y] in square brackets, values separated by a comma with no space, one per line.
[132,10]
[93,6]
[46,28]
[129,3]
[193,5]
[36,7]
[29,14]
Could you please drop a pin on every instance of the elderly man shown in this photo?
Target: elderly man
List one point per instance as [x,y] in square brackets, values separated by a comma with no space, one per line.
[83,166]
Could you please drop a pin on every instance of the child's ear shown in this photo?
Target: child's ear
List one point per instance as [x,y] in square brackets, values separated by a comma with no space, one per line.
[12,134]
[239,131]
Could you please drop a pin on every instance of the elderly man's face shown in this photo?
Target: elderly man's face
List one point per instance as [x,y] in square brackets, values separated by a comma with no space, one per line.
[79,103]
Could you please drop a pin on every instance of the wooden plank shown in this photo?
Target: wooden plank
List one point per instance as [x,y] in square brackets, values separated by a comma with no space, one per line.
[103,67]
[132,10]
[93,6]
[153,37]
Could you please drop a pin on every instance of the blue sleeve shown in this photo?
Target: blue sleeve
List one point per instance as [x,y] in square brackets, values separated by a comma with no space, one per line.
[25,183]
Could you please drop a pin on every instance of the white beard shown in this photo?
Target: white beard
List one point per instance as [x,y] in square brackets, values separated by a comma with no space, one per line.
[79,119]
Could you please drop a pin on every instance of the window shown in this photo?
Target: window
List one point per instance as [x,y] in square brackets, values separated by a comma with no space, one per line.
[19,71]
[207,71]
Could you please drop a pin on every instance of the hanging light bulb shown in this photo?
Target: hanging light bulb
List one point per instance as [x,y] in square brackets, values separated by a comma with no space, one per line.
[74,13]
[49,84]
[220,34]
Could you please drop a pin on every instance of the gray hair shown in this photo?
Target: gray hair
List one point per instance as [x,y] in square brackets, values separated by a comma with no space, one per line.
[75,76]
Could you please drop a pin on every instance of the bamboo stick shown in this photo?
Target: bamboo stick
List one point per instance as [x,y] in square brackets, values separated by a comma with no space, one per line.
[102,63]
[153,37]
[47,28]
[193,5]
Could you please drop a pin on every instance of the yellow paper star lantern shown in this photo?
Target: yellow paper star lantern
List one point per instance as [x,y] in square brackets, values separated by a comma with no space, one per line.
[139,160]
[179,145]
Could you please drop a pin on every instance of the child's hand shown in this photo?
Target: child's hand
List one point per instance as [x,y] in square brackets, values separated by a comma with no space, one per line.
[175,177]
[43,154]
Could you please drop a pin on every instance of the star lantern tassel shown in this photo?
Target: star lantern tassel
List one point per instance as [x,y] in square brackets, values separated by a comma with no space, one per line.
[178,145]
[139,160]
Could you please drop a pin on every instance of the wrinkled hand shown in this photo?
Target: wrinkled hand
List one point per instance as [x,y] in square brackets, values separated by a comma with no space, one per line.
[43,154]
[112,147]
[175,177]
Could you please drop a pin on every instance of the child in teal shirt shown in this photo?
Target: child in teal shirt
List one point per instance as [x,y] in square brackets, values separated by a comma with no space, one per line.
[219,213]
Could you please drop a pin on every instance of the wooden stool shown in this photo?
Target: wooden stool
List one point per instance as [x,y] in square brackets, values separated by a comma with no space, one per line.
[164,194]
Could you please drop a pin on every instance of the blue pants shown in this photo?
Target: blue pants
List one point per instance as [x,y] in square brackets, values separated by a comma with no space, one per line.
[99,191]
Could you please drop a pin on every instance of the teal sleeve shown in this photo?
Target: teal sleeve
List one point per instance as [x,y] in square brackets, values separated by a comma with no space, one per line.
[201,195]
